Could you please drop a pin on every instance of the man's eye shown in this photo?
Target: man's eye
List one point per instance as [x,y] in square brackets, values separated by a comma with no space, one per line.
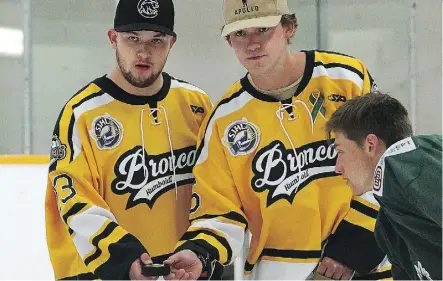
[133,38]
[157,41]
[240,33]
[263,29]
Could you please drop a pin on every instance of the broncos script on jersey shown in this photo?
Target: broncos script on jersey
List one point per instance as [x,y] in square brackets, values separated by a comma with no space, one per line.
[120,177]
[265,166]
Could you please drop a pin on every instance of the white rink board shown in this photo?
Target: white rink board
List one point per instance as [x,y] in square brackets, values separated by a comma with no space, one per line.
[23,251]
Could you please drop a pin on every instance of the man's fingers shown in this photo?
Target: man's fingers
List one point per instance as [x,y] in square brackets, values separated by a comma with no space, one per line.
[334,270]
[145,259]
[170,277]
[179,274]
[189,276]
[347,275]
[321,269]
[329,271]
[338,273]
[192,276]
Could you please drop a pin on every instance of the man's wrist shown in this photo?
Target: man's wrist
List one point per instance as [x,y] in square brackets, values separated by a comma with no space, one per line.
[204,259]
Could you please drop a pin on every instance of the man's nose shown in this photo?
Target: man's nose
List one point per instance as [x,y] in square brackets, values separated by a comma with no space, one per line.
[253,43]
[338,167]
[144,52]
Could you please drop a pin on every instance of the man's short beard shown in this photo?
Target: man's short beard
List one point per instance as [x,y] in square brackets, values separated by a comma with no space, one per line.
[134,81]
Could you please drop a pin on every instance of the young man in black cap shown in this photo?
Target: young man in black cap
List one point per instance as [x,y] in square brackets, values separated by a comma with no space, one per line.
[122,153]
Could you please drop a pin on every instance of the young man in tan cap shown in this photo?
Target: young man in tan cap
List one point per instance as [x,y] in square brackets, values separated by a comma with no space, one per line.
[265,165]
[123,148]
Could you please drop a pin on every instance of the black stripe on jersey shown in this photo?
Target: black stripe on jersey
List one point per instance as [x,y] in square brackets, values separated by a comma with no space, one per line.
[72,121]
[231,215]
[371,80]
[105,233]
[334,53]
[375,276]
[293,254]
[248,267]
[224,101]
[56,130]
[354,246]
[70,143]
[362,208]
[75,209]
[192,234]
[341,65]
[83,276]
[121,255]
[199,246]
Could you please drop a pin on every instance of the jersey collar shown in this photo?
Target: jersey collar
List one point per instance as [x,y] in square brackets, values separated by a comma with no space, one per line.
[108,86]
[307,74]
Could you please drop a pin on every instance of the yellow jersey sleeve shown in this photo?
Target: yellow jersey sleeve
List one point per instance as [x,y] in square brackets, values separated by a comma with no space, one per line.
[74,198]
[218,222]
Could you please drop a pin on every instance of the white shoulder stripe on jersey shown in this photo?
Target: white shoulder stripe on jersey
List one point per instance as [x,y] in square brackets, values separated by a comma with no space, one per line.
[234,234]
[86,224]
[178,84]
[78,111]
[338,73]
[221,111]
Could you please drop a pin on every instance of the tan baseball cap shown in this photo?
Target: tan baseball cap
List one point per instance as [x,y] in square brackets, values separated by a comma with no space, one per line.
[241,14]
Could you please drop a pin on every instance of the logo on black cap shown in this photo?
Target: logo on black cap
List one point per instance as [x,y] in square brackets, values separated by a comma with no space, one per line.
[148,8]
[151,15]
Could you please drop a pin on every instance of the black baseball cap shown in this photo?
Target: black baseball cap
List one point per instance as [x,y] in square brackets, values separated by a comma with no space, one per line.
[152,15]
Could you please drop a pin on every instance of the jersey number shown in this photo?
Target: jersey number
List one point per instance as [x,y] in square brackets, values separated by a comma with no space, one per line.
[68,187]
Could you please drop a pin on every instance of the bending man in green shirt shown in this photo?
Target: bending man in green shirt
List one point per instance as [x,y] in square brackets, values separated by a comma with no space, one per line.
[377,152]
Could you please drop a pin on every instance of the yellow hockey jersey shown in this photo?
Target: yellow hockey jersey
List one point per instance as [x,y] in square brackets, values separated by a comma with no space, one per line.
[266,166]
[120,177]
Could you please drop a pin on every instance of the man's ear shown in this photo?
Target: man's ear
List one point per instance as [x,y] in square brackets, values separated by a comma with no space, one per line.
[228,39]
[173,40]
[289,30]
[112,36]
[372,144]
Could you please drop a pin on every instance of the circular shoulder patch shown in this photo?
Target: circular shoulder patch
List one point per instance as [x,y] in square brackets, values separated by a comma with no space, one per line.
[241,137]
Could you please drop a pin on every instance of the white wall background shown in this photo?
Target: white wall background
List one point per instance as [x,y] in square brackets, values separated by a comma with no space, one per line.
[70,49]
[23,254]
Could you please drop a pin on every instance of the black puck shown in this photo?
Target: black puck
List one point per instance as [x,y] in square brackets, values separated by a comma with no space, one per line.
[156,270]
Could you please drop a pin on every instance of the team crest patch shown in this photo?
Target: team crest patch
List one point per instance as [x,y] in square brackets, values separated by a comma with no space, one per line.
[106,131]
[148,8]
[58,149]
[241,137]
